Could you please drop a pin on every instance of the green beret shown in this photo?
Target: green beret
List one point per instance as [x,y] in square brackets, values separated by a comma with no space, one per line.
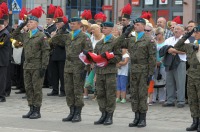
[107,24]
[33,18]
[140,20]
[197,28]
[75,19]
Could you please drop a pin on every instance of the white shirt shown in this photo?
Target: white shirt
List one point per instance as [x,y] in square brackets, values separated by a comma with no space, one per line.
[17,55]
[94,42]
[172,41]
[123,70]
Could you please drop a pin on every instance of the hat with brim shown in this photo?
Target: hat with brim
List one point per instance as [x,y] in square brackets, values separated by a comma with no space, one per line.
[107,24]
[50,16]
[1,21]
[59,19]
[126,16]
[85,23]
[5,17]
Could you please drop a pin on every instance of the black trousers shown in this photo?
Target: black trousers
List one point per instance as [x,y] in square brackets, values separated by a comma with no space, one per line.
[48,76]
[3,77]
[8,79]
[57,70]
[20,77]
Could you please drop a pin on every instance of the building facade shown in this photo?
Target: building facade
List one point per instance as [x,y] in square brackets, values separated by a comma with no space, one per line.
[169,9]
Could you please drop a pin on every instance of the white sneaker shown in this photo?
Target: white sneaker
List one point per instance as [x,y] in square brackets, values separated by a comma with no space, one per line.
[85,97]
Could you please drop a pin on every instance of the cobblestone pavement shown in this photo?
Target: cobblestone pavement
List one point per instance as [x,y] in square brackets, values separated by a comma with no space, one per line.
[159,119]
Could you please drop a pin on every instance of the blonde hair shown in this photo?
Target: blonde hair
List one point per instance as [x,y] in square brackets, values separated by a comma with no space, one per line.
[149,25]
[95,26]
[159,30]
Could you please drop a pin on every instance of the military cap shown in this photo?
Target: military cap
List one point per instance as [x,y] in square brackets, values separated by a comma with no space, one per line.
[4,8]
[75,19]
[1,21]
[36,13]
[107,24]
[126,11]
[140,20]
[51,11]
[197,28]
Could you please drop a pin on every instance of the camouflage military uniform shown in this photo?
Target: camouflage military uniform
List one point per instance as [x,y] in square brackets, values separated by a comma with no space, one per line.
[36,50]
[75,69]
[193,73]
[143,62]
[106,76]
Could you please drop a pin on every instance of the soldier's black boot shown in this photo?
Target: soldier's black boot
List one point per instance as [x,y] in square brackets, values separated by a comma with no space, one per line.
[77,114]
[195,124]
[71,114]
[29,113]
[136,120]
[109,119]
[101,119]
[142,121]
[36,113]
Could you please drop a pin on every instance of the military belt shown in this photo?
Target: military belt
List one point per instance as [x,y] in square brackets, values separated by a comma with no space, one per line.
[32,60]
[141,62]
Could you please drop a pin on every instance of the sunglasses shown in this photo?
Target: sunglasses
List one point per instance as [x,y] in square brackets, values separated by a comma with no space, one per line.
[157,34]
[147,30]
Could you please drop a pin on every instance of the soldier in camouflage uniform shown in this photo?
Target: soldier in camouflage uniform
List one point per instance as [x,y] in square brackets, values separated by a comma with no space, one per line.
[143,61]
[74,70]
[193,91]
[36,50]
[106,76]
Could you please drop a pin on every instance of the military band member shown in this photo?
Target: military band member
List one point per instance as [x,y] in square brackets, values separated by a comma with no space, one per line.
[58,53]
[4,56]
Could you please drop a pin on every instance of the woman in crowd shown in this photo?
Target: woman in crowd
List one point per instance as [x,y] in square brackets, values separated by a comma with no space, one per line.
[160,74]
[96,37]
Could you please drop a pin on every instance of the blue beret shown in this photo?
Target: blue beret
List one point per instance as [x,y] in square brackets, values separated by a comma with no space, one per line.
[75,19]
[33,18]
[140,20]
[107,24]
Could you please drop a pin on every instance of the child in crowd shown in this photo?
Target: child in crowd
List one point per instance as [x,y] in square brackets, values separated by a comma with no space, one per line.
[122,77]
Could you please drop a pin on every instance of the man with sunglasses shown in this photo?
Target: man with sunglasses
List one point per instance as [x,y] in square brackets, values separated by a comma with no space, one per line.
[193,53]
[126,13]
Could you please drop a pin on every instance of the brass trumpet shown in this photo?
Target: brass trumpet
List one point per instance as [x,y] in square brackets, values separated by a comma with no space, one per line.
[15,43]
[25,17]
